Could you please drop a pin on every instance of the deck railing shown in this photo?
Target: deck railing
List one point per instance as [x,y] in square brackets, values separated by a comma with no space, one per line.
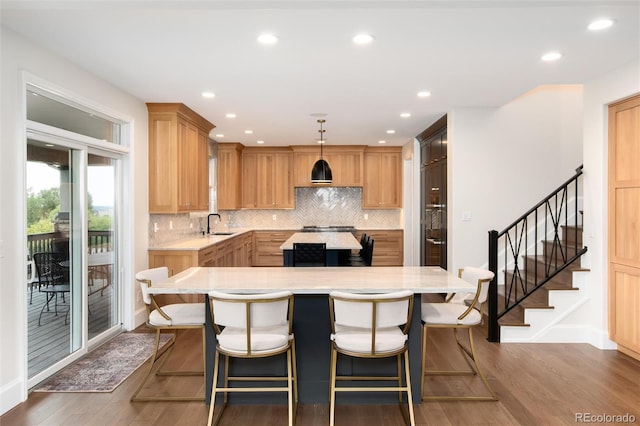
[99,241]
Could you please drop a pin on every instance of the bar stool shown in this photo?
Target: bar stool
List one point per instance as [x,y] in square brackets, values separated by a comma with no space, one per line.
[456,315]
[172,318]
[371,326]
[253,326]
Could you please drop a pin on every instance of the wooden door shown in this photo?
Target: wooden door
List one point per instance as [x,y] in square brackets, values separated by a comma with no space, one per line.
[624,225]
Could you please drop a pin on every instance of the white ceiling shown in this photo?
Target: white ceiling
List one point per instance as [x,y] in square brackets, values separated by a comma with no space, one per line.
[466,53]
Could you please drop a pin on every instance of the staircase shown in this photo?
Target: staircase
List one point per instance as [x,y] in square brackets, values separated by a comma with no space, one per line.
[538,313]
[538,257]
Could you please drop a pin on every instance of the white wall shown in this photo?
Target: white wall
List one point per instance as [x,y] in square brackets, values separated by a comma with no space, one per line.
[502,161]
[598,93]
[17,56]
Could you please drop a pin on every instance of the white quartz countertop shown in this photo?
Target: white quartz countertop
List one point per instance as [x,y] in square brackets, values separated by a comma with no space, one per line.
[333,240]
[320,280]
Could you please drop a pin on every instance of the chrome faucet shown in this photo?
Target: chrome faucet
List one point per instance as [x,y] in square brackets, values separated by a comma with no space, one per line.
[209,217]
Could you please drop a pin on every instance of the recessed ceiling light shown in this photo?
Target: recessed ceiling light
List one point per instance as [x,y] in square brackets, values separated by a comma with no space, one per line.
[219,135]
[600,24]
[390,131]
[230,115]
[267,38]
[260,142]
[424,94]
[551,56]
[363,39]
[382,141]
[208,95]
[405,115]
[248,132]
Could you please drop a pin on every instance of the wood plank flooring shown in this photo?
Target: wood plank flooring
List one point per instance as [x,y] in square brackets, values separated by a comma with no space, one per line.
[538,384]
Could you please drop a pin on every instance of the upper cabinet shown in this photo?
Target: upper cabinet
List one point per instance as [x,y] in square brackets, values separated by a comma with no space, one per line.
[382,187]
[178,159]
[229,176]
[346,164]
[267,178]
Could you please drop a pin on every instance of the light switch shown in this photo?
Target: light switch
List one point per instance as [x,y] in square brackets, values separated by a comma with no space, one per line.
[466,216]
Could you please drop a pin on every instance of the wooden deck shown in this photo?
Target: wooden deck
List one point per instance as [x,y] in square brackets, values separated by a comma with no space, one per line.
[50,341]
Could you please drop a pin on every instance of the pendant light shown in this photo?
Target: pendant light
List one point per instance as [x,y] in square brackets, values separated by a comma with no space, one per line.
[321,172]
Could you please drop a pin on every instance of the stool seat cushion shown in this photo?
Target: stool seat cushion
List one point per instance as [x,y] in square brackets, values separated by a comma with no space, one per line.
[180,313]
[448,313]
[355,339]
[263,339]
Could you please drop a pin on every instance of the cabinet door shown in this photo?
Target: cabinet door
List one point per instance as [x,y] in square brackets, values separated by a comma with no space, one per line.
[249,180]
[163,151]
[302,164]
[266,181]
[371,189]
[391,180]
[346,168]
[283,181]
[190,167]
[202,172]
[229,176]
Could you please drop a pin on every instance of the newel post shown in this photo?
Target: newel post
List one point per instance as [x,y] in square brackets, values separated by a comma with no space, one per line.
[493,328]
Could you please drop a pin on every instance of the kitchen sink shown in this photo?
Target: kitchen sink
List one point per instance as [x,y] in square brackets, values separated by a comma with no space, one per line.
[222,233]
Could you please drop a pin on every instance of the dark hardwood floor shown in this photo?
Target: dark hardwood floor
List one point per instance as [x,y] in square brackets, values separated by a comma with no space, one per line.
[538,384]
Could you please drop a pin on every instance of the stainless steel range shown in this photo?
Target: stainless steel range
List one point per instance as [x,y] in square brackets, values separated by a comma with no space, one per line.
[329,228]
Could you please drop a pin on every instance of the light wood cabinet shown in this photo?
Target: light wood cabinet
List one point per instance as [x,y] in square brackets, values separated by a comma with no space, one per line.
[229,176]
[267,179]
[266,247]
[346,164]
[382,178]
[178,159]
[388,246]
[624,216]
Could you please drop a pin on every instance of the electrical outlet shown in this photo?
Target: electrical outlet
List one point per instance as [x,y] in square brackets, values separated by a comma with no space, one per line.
[170,224]
[366,216]
[156,228]
[273,217]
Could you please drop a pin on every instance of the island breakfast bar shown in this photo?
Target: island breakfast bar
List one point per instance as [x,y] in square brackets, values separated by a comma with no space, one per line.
[311,287]
[339,246]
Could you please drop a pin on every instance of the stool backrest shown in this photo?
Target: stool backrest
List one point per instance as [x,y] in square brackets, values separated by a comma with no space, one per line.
[147,277]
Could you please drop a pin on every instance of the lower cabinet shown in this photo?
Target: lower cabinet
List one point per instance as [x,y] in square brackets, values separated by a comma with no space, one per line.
[235,251]
[267,247]
[388,246]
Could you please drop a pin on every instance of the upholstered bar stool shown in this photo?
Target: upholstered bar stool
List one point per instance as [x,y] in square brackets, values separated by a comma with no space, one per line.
[168,318]
[458,314]
[253,326]
[309,254]
[371,326]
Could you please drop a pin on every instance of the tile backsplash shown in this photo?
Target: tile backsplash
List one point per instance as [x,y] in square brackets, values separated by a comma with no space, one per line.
[314,206]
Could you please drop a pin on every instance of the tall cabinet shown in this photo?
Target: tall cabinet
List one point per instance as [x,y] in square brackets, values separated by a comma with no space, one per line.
[433,194]
[624,221]
[178,159]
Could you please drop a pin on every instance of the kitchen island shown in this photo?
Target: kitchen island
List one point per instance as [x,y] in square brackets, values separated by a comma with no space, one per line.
[339,246]
[311,287]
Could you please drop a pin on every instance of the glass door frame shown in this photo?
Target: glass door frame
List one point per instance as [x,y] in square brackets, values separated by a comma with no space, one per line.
[84,145]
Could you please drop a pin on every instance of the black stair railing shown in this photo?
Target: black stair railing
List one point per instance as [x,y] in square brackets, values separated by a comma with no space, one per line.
[509,249]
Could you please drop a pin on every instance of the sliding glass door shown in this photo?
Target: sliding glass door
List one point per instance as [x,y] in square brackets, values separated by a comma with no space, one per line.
[73,174]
